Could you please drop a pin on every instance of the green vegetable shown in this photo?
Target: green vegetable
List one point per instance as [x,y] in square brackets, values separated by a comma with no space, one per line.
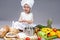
[53,37]
[49,23]
[58,29]
[42,34]
[41,26]
[47,38]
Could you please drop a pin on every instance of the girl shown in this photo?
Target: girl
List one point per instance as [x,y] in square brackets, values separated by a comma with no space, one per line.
[26,16]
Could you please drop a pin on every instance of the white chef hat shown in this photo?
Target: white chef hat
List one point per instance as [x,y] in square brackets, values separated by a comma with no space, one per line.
[29,2]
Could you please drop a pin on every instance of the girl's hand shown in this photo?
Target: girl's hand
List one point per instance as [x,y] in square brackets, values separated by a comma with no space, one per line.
[22,21]
[29,21]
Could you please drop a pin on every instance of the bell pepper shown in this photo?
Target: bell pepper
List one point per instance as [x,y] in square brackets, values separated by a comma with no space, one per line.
[42,34]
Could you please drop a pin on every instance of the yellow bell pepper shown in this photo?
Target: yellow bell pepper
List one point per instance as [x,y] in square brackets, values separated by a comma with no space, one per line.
[58,34]
[46,30]
[52,33]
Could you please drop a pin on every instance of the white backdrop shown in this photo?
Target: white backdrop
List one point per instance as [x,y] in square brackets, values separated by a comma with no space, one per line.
[42,10]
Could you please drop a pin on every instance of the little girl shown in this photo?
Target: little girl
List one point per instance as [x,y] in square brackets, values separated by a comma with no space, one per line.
[26,16]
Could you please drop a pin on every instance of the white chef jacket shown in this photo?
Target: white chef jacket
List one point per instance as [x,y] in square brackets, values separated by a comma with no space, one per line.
[22,25]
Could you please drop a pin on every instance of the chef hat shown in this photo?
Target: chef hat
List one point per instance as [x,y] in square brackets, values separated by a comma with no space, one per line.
[29,2]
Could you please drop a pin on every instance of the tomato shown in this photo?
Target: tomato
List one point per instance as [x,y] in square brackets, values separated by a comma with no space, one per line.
[39,38]
[54,29]
[27,38]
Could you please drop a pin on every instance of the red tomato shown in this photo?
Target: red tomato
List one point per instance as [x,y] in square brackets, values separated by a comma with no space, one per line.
[39,38]
[54,29]
[27,38]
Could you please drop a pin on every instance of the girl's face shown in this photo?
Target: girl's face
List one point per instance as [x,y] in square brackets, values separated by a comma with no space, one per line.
[26,8]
